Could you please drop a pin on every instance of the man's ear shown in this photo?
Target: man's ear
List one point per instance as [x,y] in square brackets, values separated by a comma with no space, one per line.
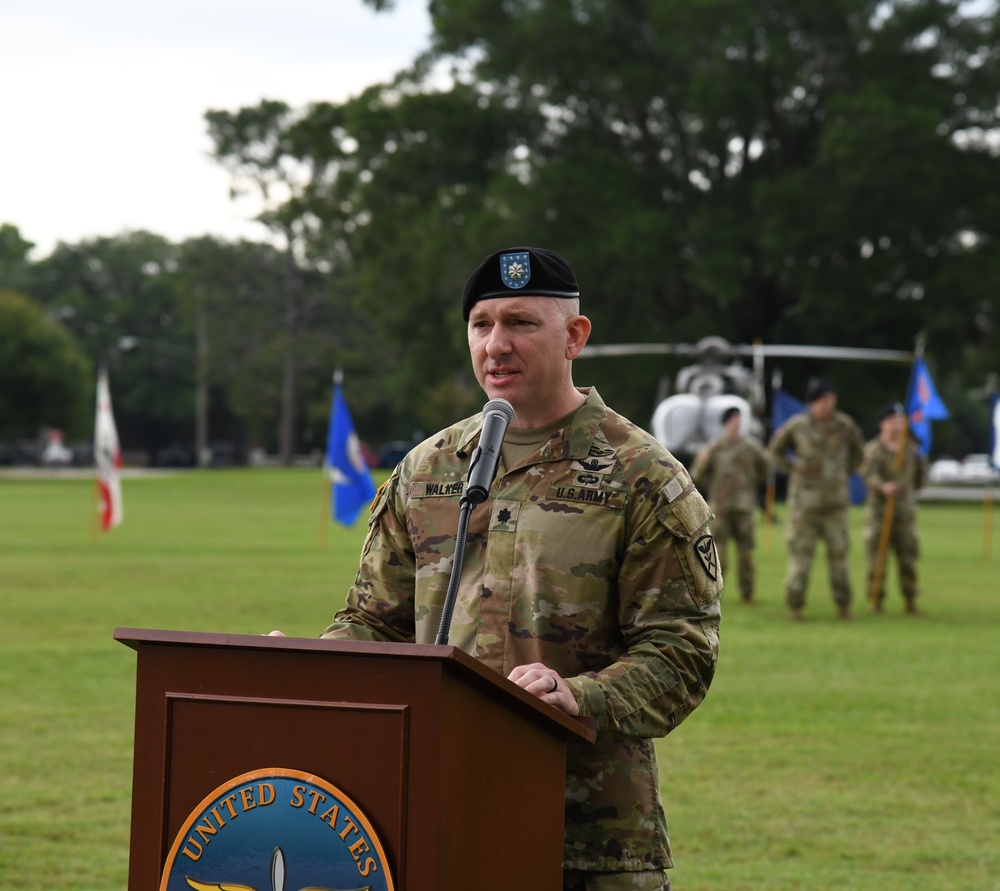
[577,335]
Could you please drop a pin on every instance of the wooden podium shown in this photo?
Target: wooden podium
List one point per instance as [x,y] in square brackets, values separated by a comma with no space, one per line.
[459,770]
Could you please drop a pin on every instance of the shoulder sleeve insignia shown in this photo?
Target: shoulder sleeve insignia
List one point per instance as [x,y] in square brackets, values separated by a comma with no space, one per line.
[704,547]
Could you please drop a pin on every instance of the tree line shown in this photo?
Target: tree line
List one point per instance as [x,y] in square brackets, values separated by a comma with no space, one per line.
[240,328]
[795,172]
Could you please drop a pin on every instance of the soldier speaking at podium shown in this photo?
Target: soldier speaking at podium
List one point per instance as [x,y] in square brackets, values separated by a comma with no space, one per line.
[590,576]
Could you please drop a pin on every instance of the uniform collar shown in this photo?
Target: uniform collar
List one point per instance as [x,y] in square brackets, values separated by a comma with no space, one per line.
[572,441]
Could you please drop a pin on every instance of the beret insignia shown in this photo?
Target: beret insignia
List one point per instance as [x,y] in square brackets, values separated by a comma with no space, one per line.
[515,269]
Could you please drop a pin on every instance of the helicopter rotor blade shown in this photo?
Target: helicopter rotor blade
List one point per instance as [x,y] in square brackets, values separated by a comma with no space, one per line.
[596,351]
[792,351]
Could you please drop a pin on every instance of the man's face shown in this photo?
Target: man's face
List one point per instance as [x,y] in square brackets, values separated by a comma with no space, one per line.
[522,349]
[891,426]
[823,407]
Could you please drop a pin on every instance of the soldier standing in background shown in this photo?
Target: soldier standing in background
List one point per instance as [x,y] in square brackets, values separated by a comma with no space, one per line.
[827,448]
[731,471]
[885,481]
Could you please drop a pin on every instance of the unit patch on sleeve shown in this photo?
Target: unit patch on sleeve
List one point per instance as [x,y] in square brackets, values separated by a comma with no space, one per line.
[704,547]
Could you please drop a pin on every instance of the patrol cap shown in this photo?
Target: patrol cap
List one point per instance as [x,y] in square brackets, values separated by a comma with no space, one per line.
[818,389]
[520,272]
[893,408]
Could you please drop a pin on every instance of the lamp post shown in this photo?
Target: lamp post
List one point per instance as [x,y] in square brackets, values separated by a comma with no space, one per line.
[129,342]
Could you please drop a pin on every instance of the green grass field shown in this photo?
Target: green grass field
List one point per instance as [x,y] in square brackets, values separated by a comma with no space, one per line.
[859,755]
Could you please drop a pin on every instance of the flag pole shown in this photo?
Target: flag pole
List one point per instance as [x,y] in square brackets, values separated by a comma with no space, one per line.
[769,510]
[878,570]
[95,503]
[988,522]
[994,403]
[326,497]
[95,498]
[324,510]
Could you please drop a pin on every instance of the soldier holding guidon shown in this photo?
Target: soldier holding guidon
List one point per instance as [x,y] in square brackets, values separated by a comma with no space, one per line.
[890,473]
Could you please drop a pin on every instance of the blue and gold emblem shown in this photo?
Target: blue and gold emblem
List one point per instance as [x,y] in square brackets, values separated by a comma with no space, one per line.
[515,269]
[276,830]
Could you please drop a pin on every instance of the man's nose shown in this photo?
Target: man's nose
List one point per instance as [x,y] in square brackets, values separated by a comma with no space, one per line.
[498,343]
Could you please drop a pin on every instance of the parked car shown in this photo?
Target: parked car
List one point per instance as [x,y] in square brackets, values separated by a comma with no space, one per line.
[55,453]
[394,452]
[175,455]
[977,469]
[945,470]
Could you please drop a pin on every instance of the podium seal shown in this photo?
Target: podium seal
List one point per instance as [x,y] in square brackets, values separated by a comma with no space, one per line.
[276,830]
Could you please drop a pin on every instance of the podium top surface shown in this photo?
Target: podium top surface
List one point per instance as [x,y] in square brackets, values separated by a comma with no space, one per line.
[452,658]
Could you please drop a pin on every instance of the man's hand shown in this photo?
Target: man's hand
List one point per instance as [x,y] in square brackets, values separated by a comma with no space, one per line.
[546,685]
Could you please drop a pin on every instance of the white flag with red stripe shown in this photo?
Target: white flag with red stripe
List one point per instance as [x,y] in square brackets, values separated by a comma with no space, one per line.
[107,457]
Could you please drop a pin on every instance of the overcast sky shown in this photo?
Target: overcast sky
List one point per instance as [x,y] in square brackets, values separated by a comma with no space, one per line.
[102,101]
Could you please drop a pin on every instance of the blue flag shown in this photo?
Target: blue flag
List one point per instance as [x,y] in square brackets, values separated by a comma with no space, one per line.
[923,405]
[352,485]
[783,406]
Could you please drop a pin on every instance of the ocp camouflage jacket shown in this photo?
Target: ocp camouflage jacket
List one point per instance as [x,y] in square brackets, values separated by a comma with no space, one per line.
[730,471]
[592,556]
[879,466]
[827,452]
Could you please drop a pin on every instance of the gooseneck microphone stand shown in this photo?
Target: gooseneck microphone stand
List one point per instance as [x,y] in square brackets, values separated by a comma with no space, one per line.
[465,511]
[497,414]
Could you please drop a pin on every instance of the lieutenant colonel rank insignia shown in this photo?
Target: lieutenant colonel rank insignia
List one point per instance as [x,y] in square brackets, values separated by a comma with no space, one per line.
[515,269]
[704,547]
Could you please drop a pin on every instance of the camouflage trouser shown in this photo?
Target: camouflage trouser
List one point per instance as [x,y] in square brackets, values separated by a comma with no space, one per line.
[903,539]
[645,880]
[737,525]
[803,531]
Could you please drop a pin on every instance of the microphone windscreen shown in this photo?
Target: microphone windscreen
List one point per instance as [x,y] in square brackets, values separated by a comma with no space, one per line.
[502,406]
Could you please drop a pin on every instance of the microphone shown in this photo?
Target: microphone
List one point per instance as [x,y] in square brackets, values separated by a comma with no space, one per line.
[497,415]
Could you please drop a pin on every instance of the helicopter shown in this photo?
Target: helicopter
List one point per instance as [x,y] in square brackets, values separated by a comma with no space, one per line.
[718,379]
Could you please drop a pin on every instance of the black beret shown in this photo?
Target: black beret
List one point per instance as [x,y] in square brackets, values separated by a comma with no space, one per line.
[893,408]
[729,412]
[818,389]
[520,272]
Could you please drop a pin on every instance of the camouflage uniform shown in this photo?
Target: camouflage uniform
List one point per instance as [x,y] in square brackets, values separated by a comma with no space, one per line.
[827,452]
[877,468]
[593,556]
[732,470]
[647,880]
